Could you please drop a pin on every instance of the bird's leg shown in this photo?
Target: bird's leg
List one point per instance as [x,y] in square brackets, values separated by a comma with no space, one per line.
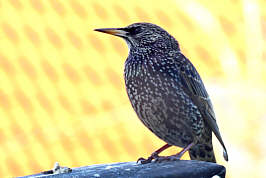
[154,155]
[176,156]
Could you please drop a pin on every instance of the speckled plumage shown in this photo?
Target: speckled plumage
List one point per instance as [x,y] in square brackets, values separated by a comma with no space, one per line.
[166,91]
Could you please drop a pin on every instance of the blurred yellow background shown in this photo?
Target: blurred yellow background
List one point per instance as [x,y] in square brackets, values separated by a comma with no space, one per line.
[62,94]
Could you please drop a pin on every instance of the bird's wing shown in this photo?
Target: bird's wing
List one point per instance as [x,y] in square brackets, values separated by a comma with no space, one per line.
[194,87]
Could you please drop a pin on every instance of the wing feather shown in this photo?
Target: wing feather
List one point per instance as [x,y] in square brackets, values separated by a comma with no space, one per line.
[194,87]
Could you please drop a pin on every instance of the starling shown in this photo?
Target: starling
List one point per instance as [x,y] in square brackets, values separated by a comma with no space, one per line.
[167,93]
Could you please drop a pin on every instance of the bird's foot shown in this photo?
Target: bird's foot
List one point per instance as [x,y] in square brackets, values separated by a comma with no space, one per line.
[154,155]
[160,159]
[175,157]
[144,161]
[149,159]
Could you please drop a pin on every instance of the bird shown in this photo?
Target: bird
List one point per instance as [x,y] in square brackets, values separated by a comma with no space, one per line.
[167,93]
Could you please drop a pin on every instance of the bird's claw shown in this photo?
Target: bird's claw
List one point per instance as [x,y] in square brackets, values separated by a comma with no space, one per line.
[140,160]
[144,161]
[149,159]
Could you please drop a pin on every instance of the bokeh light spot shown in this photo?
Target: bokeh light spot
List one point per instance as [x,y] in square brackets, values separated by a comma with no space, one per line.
[49,70]
[10,33]
[75,40]
[4,102]
[78,9]
[71,73]
[23,100]
[114,78]
[121,13]
[45,103]
[92,75]
[16,4]
[38,6]
[7,66]
[32,35]
[88,108]
[53,38]
[100,11]
[28,68]
[58,7]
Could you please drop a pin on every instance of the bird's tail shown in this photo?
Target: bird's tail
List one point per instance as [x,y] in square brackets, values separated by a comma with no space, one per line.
[203,150]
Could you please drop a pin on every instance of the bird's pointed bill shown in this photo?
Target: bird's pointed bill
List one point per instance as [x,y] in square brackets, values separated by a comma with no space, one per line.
[112,31]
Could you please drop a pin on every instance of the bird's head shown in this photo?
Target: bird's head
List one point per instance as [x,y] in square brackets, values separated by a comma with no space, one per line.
[142,35]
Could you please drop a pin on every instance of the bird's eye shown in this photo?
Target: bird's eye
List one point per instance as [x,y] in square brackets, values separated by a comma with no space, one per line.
[134,30]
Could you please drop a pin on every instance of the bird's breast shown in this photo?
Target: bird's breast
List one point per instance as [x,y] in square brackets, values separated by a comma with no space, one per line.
[148,84]
[159,100]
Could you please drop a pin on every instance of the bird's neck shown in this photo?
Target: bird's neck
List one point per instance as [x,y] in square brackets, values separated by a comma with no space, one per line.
[161,49]
[141,54]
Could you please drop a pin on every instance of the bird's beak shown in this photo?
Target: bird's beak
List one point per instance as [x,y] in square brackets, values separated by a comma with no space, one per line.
[113,31]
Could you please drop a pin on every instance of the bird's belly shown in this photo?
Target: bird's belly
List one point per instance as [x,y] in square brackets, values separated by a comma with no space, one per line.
[167,112]
[170,125]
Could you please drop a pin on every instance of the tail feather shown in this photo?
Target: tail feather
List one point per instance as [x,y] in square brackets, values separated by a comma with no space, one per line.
[202,152]
[225,155]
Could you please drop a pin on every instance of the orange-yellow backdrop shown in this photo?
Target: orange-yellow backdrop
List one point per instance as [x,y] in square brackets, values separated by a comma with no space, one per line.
[62,94]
